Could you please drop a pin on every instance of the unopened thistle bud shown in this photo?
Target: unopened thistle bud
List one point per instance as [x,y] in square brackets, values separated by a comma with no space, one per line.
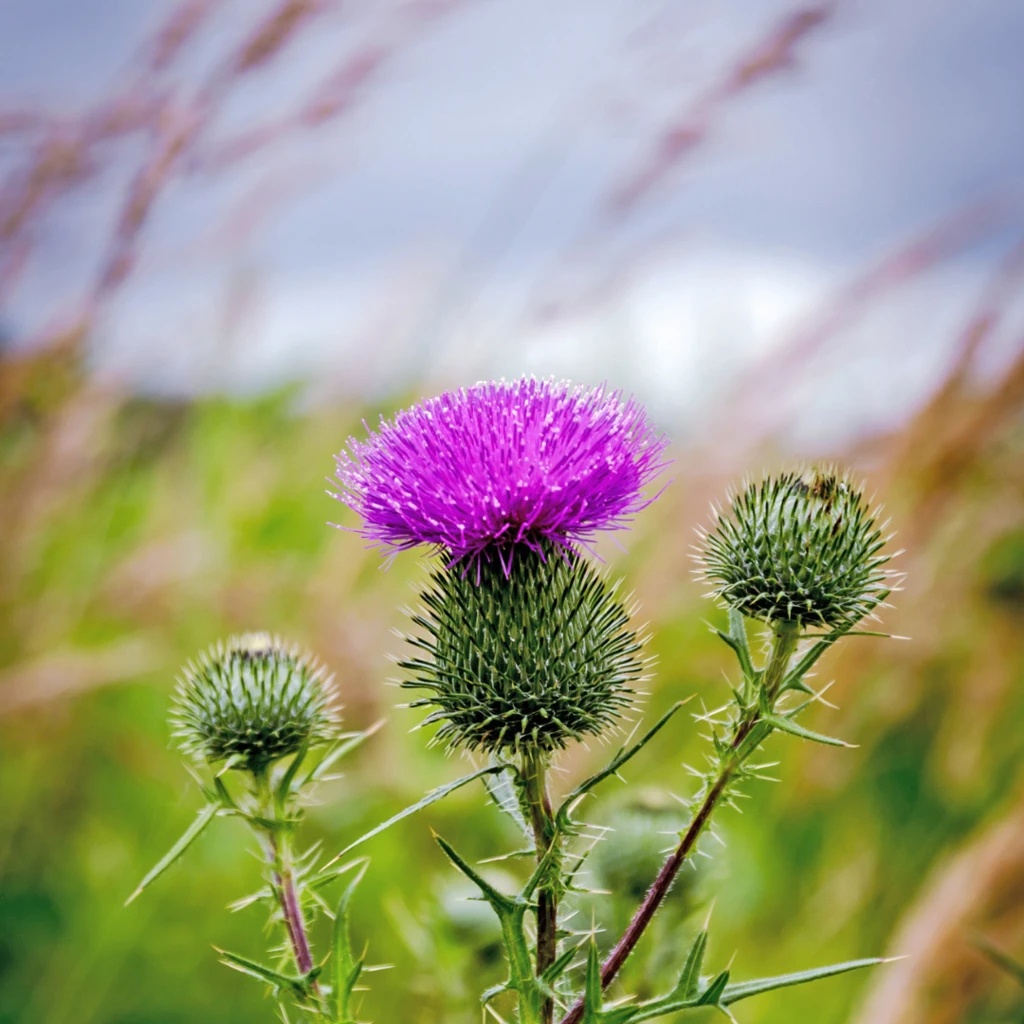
[526,662]
[253,700]
[802,548]
[631,852]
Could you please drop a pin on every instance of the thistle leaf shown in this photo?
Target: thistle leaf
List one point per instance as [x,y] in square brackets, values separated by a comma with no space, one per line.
[344,744]
[623,755]
[345,968]
[745,989]
[560,966]
[502,904]
[284,787]
[689,980]
[712,995]
[592,987]
[432,797]
[794,678]
[205,816]
[297,984]
[736,638]
[784,724]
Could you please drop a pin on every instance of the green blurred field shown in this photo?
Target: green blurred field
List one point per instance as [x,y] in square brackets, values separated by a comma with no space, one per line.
[134,533]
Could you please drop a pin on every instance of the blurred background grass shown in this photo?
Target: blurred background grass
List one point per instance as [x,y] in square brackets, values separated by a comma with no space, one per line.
[162,477]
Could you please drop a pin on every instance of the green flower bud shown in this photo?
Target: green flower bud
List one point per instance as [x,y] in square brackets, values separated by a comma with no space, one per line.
[526,662]
[641,834]
[800,548]
[255,700]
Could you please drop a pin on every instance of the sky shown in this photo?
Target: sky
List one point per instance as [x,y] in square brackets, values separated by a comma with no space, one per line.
[473,209]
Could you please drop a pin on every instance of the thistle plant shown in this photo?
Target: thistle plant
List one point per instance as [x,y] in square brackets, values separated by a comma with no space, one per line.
[523,647]
[520,648]
[254,718]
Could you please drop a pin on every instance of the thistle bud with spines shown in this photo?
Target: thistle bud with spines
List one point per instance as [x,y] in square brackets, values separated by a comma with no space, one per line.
[250,702]
[525,662]
[800,547]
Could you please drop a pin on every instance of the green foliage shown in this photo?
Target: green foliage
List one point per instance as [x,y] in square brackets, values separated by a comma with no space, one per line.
[527,662]
[799,547]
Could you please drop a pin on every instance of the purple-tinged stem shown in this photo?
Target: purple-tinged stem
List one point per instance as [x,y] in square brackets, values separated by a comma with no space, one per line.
[783,646]
[278,852]
[294,920]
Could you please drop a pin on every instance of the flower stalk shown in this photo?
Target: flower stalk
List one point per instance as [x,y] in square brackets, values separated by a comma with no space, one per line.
[259,708]
[748,732]
[547,841]
[275,836]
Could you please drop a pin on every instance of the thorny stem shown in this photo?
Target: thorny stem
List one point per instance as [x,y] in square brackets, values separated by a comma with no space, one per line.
[542,820]
[284,883]
[784,643]
[277,847]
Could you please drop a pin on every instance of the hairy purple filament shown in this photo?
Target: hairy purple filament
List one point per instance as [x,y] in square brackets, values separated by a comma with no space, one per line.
[481,470]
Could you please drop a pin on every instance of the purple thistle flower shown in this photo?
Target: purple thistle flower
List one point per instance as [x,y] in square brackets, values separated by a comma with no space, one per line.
[480,470]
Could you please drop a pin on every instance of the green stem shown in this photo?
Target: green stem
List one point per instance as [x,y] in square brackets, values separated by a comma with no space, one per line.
[278,850]
[746,738]
[545,835]
[784,645]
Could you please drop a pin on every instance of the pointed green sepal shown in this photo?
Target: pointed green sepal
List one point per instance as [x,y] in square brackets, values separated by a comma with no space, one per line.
[794,678]
[592,997]
[284,787]
[503,793]
[560,966]
[736,638]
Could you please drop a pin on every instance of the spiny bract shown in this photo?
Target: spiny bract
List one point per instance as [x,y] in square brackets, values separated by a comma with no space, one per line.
[253,700]
[524,663]
[800,548]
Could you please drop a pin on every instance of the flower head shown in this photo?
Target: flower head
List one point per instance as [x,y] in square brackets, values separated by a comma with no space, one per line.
[485,469]
[254,699]
[800,548]
[527,662]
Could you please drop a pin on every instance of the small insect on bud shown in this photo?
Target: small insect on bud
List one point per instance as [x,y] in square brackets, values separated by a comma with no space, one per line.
[254,699]
[528,662]
[802,548]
